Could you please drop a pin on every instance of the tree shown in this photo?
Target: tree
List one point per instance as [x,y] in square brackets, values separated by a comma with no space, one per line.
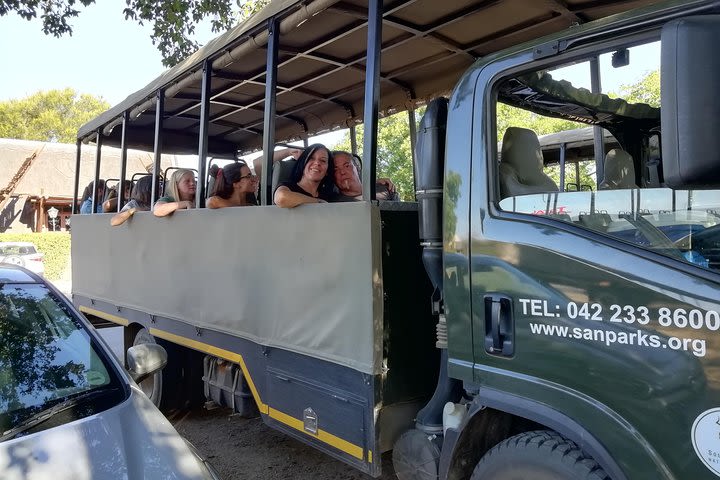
[52,116]
[394,154]
[645,90]
[173,22]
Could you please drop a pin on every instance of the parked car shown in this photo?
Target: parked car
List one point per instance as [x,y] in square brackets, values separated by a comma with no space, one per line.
[68,409]
[24,254]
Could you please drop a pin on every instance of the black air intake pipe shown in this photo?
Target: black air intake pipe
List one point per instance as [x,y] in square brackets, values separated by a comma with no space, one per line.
[429,168]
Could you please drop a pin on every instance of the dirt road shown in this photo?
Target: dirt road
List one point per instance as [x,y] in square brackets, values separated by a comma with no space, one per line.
[247,449]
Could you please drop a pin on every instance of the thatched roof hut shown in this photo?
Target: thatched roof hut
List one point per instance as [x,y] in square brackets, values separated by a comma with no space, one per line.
[48,179]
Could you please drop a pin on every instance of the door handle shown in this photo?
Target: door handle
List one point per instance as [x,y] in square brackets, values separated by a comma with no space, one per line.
[499,325]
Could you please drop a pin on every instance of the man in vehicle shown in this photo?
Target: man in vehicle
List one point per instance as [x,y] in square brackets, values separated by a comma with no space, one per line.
[347,179]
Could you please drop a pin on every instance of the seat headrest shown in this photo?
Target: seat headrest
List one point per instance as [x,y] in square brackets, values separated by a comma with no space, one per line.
[521,149]
[619,170]
[282,172]
[521,164]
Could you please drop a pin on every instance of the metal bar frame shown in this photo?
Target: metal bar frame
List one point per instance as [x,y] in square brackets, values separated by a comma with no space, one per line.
[563,150]
[123,160]
[98,157]
[372,97]
[78,157]
[270,109]
[203,134]
[353,140]
[596,87]
[412,125]
[159,108]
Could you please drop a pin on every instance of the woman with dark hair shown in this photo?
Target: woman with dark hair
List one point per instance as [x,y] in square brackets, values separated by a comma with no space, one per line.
[110,204]
[139,201]
[86,200]
[235,186]
[312,179]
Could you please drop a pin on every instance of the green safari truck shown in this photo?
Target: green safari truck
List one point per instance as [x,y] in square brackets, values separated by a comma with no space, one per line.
[501,323]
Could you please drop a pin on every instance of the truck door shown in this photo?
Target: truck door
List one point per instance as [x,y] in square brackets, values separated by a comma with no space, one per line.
[594,311]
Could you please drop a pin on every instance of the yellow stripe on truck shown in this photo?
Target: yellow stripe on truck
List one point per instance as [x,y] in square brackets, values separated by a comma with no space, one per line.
[105,316]
[325,437]
[322,435]
[216,352]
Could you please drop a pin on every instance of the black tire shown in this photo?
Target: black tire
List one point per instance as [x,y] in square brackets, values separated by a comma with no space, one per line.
[538,455]
[178,385]
[153,385]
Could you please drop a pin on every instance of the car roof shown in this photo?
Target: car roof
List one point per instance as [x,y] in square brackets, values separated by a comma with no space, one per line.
[17,244]
[13,274]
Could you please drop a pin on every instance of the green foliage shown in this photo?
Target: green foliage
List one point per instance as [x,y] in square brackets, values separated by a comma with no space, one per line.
[55,246]
[508,116]
[645,90]
[587,175]
[51,116]
[173,21]
[54,14]
[394,153]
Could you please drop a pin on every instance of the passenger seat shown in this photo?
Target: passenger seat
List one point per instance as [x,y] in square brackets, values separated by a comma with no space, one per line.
[521,165]
[619,171]
[281,172]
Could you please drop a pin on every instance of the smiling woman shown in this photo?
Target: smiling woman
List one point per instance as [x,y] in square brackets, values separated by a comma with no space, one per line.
[312,179]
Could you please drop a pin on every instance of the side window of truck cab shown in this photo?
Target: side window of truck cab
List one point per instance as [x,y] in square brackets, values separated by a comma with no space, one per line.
[591,158]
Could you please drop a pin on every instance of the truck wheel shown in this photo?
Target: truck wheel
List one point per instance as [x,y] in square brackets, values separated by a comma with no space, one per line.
[538,455]
[153,385]
[178,385]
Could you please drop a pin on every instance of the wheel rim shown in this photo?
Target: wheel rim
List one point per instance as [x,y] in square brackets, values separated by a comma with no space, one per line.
[152,385]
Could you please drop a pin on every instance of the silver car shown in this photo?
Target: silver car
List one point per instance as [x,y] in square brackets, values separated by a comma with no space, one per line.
[24,254]
[68,409]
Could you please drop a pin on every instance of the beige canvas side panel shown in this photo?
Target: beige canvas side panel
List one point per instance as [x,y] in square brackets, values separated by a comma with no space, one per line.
[306,279]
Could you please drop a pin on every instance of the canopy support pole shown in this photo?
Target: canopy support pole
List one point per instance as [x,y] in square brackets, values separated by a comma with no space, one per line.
[203,135]
[159,109]
[270,110]
[372,98]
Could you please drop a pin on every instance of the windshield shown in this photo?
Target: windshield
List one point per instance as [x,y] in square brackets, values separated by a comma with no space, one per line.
[46,358]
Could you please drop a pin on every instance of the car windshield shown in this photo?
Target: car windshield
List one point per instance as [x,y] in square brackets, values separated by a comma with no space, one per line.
[47,358]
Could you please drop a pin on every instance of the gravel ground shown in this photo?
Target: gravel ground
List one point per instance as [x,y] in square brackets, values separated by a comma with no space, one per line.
[242,448]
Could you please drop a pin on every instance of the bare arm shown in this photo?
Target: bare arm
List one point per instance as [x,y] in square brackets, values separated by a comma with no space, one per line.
[110,205]
[286,198]
[388,183]
[122,217]
[216,202]
[277,156]
[163,209]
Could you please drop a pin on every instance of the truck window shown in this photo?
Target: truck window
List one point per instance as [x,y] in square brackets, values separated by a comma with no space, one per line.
[551,164]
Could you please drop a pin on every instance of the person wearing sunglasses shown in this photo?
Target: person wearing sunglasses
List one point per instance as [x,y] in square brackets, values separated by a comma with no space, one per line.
[347,178]
[235,186]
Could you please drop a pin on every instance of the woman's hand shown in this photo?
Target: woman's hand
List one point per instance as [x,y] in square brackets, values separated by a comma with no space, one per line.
[388,183]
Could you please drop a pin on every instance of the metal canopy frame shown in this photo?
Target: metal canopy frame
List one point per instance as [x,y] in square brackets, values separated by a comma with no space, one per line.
[425,47]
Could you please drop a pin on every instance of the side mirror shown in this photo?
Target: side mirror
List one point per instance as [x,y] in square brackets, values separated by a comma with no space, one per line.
[145,359]
[689,70]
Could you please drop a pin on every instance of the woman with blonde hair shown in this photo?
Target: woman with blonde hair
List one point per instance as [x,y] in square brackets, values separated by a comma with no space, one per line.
[179,193]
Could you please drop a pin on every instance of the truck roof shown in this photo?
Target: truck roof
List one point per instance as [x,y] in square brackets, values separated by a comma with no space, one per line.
[426,46]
